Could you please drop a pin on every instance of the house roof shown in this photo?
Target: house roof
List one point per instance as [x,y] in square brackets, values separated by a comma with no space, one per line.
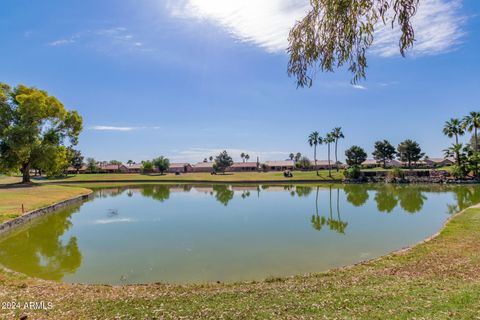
[284,163]
[370,162]
[244,165]
[110,167]
[438,160]
[324,162]
[135,166]
[179,165]
[204,165]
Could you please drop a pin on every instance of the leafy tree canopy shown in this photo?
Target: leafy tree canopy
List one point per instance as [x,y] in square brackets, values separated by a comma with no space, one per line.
[335,33]
[222,161]
[161,163]
[383,152]
[409,151]
[34,130]
[355,156]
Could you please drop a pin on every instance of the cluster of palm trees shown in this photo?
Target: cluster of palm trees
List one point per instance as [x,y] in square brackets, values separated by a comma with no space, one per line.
[314,140]
[463,154]
[245,156]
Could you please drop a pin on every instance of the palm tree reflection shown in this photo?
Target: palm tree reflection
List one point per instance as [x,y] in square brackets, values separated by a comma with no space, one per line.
[335,224]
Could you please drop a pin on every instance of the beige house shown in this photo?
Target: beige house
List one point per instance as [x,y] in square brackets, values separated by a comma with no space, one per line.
[203,167]
[280,165]
[243,166]
[438,162]
[112,168]
[323,164]
[134,168]
[179,168]
[370,163]
[72,170]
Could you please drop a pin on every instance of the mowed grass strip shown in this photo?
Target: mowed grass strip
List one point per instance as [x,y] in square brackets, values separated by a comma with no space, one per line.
[439,279]
[203,176]
[33,197]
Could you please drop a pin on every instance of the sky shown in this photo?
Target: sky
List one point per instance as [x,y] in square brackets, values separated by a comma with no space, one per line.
[189,78]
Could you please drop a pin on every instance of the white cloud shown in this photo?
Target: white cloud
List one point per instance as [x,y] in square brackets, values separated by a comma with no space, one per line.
[111,128]
[267,23]
[437,25]
[115,128]
[358,87]
[62,42]
[194,155]
[109,221]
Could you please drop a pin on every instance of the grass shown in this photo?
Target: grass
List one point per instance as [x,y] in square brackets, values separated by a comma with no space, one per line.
[438,279]
[228,177]
[33,197]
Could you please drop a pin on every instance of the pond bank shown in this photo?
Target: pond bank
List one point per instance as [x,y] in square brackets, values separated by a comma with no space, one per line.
[439,279]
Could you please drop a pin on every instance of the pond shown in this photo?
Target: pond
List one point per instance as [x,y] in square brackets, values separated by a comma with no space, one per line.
[201,233]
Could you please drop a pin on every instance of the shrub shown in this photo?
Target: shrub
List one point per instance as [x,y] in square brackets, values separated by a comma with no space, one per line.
[458,172]
[352,172]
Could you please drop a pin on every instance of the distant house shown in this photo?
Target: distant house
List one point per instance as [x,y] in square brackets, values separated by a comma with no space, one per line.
[438,162]
[179,168]
[370,163]
[112,168]
[72,170]
[280,165]
[323,164]
[243,166]
[203,167]
[134,168]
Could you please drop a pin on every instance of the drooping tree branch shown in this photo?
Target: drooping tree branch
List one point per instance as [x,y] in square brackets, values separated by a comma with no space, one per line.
[339,32]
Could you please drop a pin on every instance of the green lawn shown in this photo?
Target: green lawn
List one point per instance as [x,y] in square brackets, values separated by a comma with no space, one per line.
[439,279]
[228,177]
[33,197]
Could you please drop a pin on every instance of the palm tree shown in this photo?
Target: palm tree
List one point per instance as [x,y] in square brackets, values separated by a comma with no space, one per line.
[211,158]
[328,140]
[247,157]
[242,155]
[472,123]
[454,151]
[314,140]
[291,156]
[453,128]
[337,135]
[298,156]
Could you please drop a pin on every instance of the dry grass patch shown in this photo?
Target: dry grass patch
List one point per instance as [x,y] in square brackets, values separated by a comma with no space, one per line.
[33,197]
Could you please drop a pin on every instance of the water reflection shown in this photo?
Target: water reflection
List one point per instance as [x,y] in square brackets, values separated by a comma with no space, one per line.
[48,250]
[40,251]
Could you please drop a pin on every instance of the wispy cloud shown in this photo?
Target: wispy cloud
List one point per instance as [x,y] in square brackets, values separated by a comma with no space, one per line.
[266,24]
[194,155]
[109,221]
[124,129]
[358,87]
[438,28]
[114,37]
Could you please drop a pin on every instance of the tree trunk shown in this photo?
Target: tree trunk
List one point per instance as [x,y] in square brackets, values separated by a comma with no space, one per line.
[329,166]
[336,158]
[476,141]
[25,173]
[315,157]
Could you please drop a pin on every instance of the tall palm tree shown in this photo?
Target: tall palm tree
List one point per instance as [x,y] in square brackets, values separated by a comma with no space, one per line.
[242,155]
[314,140]
[291,156]
[472,123]
[454,151]
[453,128]
[328,140]
[247,156]
[337,135]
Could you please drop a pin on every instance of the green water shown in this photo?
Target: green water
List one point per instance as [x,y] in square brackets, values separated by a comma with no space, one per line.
[199,233]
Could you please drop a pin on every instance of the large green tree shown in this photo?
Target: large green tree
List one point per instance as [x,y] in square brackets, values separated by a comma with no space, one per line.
[223,161]
[338,32]
[355,156]
[409,151]
[383,152]
[161,163]
[34,130]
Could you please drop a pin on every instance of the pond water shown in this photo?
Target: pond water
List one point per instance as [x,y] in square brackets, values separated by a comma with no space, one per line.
[201,233]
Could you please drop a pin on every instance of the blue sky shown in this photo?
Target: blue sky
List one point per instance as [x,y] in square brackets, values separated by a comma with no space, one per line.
[188,78]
